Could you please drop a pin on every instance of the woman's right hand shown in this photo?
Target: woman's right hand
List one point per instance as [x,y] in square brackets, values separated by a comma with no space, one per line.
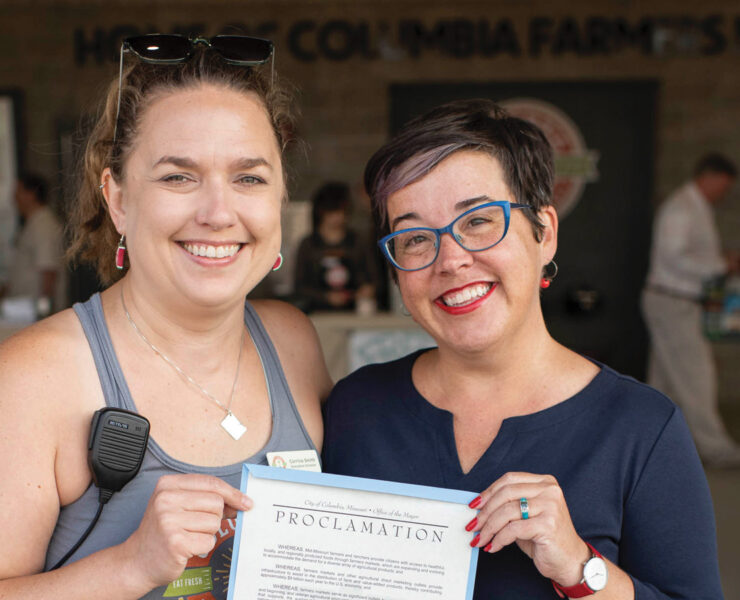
[181,520]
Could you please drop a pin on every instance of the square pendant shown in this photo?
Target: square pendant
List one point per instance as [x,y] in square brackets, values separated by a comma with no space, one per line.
[233,426]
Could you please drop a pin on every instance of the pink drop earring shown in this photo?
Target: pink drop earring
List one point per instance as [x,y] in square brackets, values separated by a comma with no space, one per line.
[278,262]
[120,253]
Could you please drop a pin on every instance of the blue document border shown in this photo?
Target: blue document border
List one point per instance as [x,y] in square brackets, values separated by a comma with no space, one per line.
[356,483]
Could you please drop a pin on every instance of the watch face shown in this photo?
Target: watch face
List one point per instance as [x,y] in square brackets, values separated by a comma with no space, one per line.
[594,574]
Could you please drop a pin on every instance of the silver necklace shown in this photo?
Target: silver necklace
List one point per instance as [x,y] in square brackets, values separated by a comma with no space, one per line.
[230,423]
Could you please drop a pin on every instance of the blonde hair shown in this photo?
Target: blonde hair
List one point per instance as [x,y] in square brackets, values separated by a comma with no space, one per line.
[93,235]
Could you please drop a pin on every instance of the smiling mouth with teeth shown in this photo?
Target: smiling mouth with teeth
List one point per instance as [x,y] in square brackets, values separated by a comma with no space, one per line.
[208,251]
[466,295]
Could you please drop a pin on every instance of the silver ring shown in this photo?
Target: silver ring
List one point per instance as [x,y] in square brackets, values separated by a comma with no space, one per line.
[524,508]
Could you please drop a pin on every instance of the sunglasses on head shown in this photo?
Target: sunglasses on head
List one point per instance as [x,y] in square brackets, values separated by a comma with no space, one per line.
[172,48]
[163,48]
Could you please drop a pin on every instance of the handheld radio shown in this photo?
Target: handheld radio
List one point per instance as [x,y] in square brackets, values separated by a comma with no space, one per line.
[115,451]
[118,440]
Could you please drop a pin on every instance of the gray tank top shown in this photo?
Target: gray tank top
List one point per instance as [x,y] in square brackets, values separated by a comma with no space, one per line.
[206,577]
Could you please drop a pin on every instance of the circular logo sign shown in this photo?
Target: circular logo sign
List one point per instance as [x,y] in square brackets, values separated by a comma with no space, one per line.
[575,164]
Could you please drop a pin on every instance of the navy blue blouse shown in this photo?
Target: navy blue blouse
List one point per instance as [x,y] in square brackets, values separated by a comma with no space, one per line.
[620,450]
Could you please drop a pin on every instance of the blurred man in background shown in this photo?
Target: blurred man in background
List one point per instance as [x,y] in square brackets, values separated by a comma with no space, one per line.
[37,267]
[686,254]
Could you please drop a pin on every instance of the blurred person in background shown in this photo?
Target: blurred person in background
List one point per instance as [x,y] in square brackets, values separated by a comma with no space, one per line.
[334,264]
[686,254]
[37,267]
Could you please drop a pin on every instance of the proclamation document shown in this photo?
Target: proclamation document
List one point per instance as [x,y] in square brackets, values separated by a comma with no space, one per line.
[315,536]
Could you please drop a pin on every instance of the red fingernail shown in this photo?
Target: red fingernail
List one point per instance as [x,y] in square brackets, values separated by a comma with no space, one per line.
[475,503]
[470,526]
[475,540]
[487,547]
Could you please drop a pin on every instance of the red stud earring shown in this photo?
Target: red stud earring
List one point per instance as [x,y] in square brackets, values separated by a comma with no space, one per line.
[550,270]
[120,253]
[278,262]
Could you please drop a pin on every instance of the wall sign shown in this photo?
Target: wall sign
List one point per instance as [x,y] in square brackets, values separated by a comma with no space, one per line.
[575,164]
[310,40]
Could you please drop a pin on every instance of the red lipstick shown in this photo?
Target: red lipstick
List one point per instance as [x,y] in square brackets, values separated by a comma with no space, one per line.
[466,308]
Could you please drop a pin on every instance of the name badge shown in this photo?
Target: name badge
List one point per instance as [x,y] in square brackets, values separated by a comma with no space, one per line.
[303,460]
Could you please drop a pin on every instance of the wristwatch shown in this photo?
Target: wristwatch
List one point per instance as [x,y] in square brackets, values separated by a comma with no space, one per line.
[594,579]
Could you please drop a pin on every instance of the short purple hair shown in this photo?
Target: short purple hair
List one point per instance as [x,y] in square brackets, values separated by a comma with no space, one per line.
[479,125]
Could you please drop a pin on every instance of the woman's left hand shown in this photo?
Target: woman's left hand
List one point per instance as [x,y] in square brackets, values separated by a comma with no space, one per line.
[547,536]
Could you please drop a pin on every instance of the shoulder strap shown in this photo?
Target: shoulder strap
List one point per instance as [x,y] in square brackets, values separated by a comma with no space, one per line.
[284,410]
[274,375]
[92,319]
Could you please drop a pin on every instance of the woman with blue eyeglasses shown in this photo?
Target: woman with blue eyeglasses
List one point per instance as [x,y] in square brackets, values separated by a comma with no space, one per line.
[588,481]
[179,211]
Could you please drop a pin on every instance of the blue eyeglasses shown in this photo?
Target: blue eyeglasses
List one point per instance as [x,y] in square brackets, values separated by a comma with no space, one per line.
[477,229]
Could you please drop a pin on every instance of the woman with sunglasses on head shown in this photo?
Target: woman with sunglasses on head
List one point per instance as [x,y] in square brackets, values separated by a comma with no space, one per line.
[589,483]
[179,209]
